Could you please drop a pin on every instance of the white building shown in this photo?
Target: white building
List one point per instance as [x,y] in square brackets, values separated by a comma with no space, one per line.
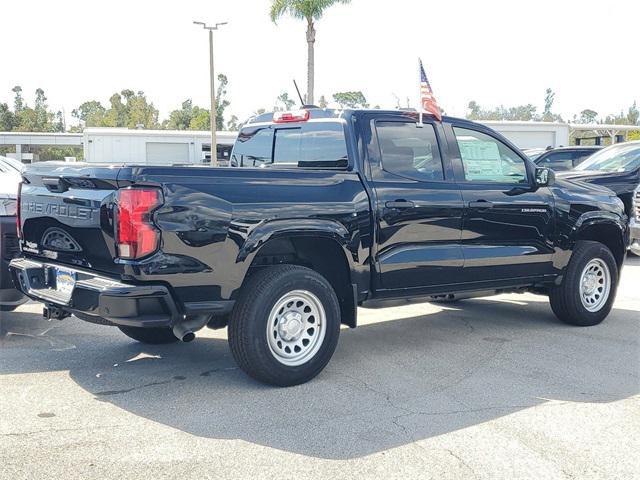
[122,145]
[533,134]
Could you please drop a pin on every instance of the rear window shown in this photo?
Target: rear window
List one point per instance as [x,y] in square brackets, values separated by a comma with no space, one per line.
[320,144]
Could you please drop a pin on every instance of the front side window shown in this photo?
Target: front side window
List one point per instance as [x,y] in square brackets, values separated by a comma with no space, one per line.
[486,159]
[410,150]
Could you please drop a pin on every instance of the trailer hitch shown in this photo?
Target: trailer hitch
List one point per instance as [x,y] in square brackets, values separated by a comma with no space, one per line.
[52,312]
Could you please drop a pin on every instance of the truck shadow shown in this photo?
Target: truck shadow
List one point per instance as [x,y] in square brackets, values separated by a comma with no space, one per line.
[390,383]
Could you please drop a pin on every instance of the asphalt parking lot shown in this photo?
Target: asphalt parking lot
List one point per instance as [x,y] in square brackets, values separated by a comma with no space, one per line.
[492,387]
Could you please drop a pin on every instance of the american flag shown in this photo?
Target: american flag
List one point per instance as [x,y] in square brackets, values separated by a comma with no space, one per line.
[427,100]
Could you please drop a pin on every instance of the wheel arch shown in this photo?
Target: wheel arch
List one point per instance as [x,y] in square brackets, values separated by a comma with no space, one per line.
[323,246]
[606,231]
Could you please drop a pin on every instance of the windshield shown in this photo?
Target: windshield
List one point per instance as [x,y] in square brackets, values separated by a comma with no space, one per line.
[618,158]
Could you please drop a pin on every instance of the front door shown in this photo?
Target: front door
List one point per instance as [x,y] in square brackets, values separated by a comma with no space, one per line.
[508,224]
[418,208]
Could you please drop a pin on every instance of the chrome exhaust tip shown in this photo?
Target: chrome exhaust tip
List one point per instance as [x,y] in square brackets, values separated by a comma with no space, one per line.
[183,334]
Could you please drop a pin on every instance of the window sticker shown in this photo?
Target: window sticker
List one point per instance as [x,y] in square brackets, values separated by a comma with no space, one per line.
[481,159]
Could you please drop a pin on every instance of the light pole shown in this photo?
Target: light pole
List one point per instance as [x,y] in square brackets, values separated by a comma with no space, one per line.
[212,115]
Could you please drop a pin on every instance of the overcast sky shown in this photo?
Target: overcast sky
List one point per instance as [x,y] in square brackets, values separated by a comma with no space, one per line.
[494,52]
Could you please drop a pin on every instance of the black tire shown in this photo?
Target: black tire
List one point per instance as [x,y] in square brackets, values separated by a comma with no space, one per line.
[565,298]
[151,336]
[248,324]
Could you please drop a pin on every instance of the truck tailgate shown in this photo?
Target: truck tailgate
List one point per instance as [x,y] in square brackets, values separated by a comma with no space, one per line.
[66,215]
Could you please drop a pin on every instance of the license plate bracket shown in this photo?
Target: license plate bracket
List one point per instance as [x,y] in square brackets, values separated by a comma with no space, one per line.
[65,282]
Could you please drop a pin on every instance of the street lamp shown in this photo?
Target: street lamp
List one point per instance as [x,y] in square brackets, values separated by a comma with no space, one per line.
[212,115]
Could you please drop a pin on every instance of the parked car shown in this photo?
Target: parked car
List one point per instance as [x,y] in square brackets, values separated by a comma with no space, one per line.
[327,211]
[534,153]
[616,167]
[10,177]
[565,158]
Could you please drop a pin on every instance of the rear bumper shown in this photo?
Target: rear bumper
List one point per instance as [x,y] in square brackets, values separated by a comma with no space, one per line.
[119,303]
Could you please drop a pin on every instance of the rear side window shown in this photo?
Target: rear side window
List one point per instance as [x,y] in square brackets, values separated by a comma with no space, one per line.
[311,142]
[315,143]
[410,150]
[253,147]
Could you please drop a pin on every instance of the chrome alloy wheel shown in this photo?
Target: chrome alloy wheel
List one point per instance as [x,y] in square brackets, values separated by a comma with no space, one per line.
[296,327]
[595,285]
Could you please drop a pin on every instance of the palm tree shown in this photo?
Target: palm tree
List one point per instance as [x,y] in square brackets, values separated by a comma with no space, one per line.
[309,10]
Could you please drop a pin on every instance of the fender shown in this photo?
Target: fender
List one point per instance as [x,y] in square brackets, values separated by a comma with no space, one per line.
[299,227]
[599,217]
[595,218]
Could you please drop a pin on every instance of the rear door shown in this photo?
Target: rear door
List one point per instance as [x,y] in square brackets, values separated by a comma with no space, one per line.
[507,226]
[418,207]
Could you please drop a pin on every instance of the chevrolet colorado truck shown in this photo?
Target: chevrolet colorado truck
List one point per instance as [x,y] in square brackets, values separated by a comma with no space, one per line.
[323,211]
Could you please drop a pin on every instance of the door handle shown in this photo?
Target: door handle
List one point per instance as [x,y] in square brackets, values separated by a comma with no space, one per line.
[481,204]
[399,204]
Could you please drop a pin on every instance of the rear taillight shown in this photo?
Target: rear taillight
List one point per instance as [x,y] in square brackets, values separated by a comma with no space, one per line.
[136,236]
[18,225]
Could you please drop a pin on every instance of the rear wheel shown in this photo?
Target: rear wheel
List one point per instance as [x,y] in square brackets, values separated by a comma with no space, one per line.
[285,326]
[151,336]
[588,289]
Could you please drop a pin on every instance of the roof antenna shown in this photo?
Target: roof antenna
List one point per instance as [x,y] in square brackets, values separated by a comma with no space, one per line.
[298,90]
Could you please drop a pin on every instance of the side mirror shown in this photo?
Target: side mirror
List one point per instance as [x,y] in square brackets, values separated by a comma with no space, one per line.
[544,177]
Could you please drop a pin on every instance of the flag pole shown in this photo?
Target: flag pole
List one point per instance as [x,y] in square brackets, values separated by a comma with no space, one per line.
[420,97]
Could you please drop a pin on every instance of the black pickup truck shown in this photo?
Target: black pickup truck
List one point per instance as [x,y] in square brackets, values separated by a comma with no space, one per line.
[324,211]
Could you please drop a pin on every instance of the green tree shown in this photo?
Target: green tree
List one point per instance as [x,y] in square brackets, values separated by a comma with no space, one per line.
[188,117]
[519,112]
[284,102]
[354,99]
[180,119]
[311,11]
[90,114]
[234,124]
[18,102]
[547,115]
[474,113]
[588,116]
[37,119]
[221,101]
[129,109]
[633,114]
[7,118]
[201,119]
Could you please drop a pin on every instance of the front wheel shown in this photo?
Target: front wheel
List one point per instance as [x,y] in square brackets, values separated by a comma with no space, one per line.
[588,289]
[285,326]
